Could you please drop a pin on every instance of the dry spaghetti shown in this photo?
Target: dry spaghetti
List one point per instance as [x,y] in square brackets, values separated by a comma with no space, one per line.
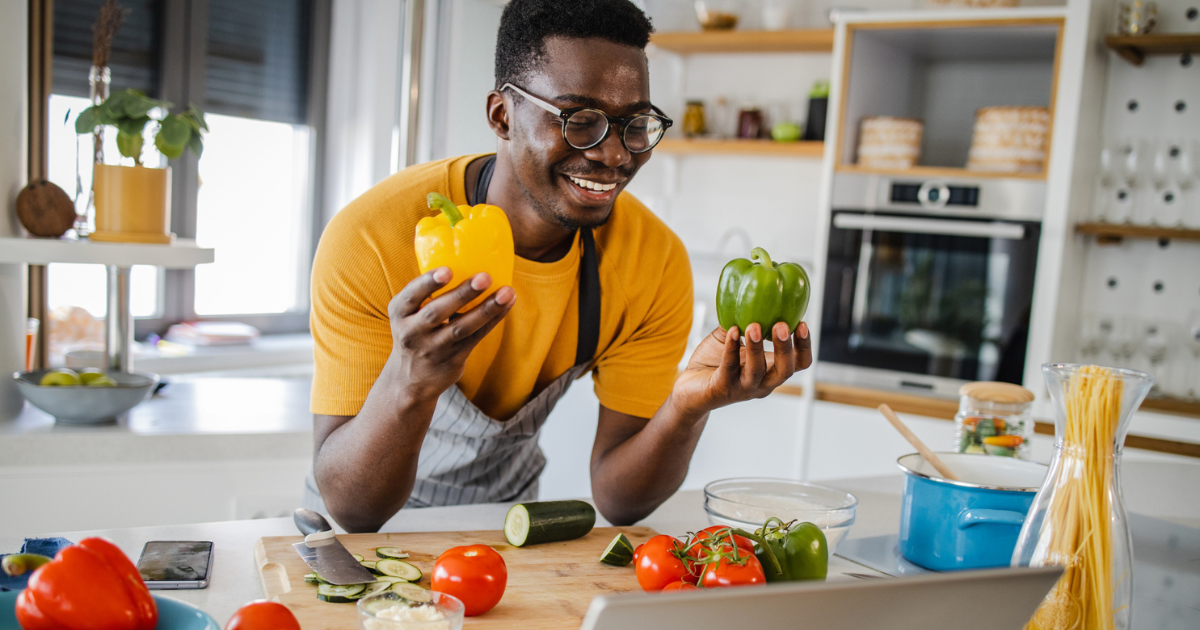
[1077,532]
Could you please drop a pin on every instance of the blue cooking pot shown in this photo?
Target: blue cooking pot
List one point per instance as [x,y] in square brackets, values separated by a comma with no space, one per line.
[968,524]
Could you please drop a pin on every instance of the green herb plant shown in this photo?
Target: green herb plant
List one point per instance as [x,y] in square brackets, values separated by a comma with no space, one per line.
[129,111]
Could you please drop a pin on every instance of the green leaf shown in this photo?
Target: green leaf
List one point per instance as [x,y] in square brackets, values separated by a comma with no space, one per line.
[197,115]
[87,121]
[133,126]
[175,132]
[130,145]
[138,106]
[172,151]
[196,145]
[115,104]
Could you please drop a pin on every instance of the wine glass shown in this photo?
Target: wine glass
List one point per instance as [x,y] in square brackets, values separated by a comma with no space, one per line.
[1134,156]
[1168,207]
[1123,341]
[1160,162]
[1093,336]
[1183,168]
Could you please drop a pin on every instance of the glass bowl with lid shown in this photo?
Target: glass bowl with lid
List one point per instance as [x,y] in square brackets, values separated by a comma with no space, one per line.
[748,502]
[402,610]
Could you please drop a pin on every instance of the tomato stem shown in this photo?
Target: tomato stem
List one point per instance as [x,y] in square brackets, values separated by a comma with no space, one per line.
[762,542]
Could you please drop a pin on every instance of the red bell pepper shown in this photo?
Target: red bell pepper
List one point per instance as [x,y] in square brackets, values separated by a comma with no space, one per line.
[88,586]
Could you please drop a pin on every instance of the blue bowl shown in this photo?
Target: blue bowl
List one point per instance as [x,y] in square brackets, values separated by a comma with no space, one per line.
[172,614]
[969,524]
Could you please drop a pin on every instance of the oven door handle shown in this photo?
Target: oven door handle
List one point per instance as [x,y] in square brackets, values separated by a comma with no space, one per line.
[947,227]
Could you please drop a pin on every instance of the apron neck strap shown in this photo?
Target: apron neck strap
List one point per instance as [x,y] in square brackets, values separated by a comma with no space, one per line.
[589,300]
[484,179]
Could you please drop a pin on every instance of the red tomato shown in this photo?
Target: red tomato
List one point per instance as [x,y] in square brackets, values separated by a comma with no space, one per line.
[263,615]
[657,566]
[741,541]
[637,553]
[727,572]
[680,586]
[476,574]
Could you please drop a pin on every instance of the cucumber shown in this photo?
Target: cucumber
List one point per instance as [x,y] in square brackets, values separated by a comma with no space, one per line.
[619,552]
[389,579]
[398,568]
[312,578]
[340,594]
[358,557]
[370,566]
[391,552]
[548,521]
[411,592]
[376,587]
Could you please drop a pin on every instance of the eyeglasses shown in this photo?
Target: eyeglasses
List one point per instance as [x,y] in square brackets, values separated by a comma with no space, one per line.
[584,127]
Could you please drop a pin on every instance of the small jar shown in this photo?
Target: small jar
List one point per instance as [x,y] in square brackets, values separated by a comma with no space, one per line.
[994,419]
[693,119]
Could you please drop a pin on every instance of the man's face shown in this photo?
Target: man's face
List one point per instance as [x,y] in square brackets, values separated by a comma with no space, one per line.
[576,72]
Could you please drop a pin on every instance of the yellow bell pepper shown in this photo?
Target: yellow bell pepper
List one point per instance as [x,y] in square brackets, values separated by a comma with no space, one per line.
[469,240]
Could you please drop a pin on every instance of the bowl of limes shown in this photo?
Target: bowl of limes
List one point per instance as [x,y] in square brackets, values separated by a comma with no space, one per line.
[89,396]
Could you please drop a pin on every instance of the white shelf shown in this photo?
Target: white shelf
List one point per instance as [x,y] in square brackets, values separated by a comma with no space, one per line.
[183,254]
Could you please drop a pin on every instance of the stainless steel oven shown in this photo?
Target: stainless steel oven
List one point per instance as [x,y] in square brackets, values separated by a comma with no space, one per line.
[928,284]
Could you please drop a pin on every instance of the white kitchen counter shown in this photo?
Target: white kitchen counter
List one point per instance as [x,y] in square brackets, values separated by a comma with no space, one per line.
[235,578]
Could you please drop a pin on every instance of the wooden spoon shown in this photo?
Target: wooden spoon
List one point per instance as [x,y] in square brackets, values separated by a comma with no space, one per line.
[912,438]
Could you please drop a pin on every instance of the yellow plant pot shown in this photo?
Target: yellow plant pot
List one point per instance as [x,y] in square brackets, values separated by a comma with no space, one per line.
[133,204]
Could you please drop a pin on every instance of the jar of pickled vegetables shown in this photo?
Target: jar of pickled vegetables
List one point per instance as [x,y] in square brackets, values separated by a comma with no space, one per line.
[994,418]
[693,119]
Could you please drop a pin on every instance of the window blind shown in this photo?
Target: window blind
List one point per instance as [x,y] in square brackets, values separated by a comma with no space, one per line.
[258,58]
[134,62]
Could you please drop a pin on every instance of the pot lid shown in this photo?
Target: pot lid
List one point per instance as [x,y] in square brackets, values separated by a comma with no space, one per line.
[995,392]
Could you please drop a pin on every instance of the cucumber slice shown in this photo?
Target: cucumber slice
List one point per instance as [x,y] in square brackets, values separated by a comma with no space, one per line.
[370,566]
[411,592]
[358,557]
[619,552]
[548,521]
[390,580]
[391,552]
[375,587]
[312,578]
[340,594]
[398,568]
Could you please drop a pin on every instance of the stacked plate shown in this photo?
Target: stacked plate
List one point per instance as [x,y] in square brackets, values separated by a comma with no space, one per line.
[887,142]
[1010,140]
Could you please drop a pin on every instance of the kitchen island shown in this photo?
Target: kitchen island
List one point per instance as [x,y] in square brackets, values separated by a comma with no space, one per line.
[1173,592]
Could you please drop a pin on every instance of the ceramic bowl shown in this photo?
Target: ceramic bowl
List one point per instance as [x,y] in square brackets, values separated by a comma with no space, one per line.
[748,502]
[172,614]
[81,404]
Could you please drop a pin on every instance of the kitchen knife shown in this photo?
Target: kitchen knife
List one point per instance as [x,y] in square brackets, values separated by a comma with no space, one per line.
[324,554]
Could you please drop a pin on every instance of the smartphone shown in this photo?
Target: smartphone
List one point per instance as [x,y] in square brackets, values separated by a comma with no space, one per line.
[176,564]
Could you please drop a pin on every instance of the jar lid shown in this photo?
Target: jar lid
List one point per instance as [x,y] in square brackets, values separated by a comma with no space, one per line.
[995,392]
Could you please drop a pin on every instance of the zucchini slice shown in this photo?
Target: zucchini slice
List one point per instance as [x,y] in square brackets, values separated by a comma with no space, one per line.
[370,566]
[619,552]
[548,521]
[340,594]
[398,568]
[358,557]
[391,552]
[411,592]
[375,587]
[390,579]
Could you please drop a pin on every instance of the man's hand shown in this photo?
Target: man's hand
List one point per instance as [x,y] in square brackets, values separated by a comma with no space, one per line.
[722,371]
[430,343]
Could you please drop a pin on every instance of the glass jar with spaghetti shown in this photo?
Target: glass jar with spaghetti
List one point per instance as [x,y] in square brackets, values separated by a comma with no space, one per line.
[994,419]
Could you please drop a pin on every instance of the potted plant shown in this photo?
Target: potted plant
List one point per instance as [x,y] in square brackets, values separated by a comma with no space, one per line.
[133,203]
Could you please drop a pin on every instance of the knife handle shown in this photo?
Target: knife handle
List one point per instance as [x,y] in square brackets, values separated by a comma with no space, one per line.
[310,522]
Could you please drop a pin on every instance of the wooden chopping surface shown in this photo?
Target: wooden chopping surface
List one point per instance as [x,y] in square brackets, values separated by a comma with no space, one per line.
[549,585]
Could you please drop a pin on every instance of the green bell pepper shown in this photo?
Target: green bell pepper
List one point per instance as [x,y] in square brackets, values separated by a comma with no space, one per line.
[801,551]
[761,292]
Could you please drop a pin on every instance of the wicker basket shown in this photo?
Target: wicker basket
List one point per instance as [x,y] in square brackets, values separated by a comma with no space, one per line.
[970,4]
[1010,140]
[890,143]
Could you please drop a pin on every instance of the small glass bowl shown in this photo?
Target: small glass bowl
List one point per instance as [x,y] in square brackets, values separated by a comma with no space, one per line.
[748,502]
[369,608]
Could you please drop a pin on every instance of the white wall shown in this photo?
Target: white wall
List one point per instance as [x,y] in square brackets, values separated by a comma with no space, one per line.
[13,125]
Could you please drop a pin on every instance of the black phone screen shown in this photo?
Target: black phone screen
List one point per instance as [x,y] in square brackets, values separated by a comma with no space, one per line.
[175,561]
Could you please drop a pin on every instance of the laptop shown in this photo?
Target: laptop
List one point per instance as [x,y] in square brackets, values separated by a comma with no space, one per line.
[995,599]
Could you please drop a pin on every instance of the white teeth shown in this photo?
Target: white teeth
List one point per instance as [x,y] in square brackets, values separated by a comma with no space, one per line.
[590,185]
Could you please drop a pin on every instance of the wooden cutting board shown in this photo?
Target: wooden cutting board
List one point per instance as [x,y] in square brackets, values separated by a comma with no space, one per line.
[549,585]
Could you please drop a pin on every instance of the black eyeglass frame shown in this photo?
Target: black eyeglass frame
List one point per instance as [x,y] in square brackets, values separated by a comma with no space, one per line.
[623,123]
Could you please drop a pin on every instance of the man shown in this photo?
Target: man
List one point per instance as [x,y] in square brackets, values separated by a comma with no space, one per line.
[416,406]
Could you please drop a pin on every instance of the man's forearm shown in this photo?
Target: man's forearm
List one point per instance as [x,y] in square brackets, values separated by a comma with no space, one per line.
[632,479]
[366,467]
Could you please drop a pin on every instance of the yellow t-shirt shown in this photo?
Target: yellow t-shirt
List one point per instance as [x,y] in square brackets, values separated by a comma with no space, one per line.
[366,257]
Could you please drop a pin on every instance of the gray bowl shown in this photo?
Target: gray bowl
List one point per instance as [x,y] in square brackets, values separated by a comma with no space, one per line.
[81,404]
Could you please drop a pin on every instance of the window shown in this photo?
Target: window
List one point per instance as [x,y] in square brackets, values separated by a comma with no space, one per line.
[249,65]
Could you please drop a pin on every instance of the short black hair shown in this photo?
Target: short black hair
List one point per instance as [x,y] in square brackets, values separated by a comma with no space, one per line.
[525,26]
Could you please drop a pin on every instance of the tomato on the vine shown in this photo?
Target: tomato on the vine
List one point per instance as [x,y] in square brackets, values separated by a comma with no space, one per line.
[658,565]
[476,574]
[680,586]
[725,571]
[742,542]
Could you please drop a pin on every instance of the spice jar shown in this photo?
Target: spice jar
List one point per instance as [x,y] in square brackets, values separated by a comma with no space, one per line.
[750,123]
[994,418]
[693,119]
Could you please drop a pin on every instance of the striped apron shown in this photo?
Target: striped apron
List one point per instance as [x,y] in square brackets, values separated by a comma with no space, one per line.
[469,457]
